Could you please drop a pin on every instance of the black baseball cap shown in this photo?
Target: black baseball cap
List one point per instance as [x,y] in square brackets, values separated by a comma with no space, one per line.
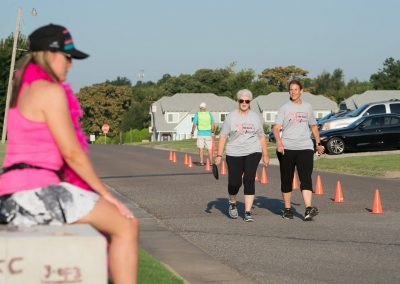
[54,38]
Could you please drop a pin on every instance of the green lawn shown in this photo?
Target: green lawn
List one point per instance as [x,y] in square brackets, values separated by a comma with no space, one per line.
[364,165]
[151,271]
[190,146]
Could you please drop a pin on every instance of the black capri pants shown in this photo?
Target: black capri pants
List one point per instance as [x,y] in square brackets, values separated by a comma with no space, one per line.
[246,166]
[303,160]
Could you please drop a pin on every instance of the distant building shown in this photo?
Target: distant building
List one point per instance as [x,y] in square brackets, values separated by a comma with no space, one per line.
[171,117]
[268,105]
[357,100]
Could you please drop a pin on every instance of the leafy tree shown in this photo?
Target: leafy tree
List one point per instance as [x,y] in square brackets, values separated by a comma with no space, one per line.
[261,87]
[104,103]
[280,76]
[356,87]
[183,84]
[6,46]
[120,81]
[240,80]
[388,78]
[138,114]
[329,82]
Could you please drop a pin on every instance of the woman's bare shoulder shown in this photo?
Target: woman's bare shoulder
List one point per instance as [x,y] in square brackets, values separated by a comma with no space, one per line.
[47,91]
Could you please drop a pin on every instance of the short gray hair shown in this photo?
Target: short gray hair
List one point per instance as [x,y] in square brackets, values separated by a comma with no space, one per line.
[244,92]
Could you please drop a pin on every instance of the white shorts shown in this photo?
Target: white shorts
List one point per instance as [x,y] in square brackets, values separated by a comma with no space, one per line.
[56,204]
[204,141]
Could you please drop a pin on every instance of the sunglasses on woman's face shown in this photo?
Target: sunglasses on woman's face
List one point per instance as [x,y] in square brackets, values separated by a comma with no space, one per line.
[68,57]
[244,101]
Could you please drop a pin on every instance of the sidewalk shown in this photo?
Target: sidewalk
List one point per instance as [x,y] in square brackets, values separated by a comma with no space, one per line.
[179,255]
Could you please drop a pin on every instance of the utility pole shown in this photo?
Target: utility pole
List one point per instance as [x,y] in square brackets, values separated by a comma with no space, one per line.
[10,78]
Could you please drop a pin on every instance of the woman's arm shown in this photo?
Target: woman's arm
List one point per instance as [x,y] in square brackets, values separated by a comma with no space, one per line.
[263,142]
[220,152]
[279,145]
[56,113]
[315,132]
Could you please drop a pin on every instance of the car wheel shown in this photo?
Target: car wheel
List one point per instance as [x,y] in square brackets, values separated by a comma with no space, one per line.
[335,146]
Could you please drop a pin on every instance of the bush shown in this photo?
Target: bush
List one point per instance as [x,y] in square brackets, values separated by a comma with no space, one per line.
[135,135]
[266,128]
[103,140]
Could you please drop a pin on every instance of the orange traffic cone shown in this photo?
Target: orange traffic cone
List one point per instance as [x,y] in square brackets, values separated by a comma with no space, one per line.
[223,168]
[190,165]
[377,206]
[318,188]
[174,157]
[339,194]
[208,167]
[256,179]
[170,155]
[264,179]
[295,184]
[185,161]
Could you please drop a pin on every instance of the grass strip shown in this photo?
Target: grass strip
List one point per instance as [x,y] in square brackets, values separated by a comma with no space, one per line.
[365,165]
[152,271]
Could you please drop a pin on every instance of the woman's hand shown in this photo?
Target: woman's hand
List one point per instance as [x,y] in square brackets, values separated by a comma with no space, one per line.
[217,160]
[121,207]
[266,160]
[280,148]
[320,149]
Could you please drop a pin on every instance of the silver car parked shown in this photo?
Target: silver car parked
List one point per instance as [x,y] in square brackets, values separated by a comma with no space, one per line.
[392,106]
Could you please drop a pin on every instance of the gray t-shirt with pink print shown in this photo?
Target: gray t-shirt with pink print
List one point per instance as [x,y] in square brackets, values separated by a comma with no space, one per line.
[296,120]
[243,133]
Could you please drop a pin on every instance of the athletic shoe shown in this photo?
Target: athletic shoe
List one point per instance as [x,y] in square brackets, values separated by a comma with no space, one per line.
[310,213]
[287,213]
[233,213]
[248,217]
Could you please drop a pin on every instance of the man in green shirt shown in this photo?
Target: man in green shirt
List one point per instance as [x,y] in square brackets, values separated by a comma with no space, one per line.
[204,121]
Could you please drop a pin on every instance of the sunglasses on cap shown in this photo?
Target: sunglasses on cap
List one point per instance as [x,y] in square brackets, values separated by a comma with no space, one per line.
[244,101]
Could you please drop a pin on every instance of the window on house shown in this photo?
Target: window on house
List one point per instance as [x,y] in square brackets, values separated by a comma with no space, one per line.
[320,113]
[270,116]
[172,117]
[222,116]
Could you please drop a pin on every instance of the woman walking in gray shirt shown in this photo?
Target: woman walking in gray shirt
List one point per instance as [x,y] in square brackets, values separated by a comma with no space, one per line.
[295,148]
[246,144]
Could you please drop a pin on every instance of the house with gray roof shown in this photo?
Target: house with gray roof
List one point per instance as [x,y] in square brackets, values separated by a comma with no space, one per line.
[268,105]
[372,96]
[171,117]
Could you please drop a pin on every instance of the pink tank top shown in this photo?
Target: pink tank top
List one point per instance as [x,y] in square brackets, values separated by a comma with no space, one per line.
[29,142]
[32,143]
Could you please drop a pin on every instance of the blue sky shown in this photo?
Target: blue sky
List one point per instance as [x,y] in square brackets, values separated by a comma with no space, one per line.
[181,36]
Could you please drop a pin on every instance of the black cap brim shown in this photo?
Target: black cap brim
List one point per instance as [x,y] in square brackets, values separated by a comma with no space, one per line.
[77,54]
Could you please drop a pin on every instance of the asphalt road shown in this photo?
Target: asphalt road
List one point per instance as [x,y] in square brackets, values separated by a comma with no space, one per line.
[344,244]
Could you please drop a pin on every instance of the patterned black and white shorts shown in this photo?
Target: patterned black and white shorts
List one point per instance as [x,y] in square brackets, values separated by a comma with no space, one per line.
[57,204]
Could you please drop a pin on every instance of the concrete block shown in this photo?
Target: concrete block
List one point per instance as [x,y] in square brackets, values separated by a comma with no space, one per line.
[71,254]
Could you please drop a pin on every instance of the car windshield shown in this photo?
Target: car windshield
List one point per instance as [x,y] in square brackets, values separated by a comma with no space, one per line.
[357,111]
[357,122]
[341,114]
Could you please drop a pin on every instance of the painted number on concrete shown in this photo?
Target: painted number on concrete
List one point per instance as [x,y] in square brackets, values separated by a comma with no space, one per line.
[61,275]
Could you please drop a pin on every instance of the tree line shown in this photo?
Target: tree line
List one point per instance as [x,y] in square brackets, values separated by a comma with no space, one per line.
[125,106]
